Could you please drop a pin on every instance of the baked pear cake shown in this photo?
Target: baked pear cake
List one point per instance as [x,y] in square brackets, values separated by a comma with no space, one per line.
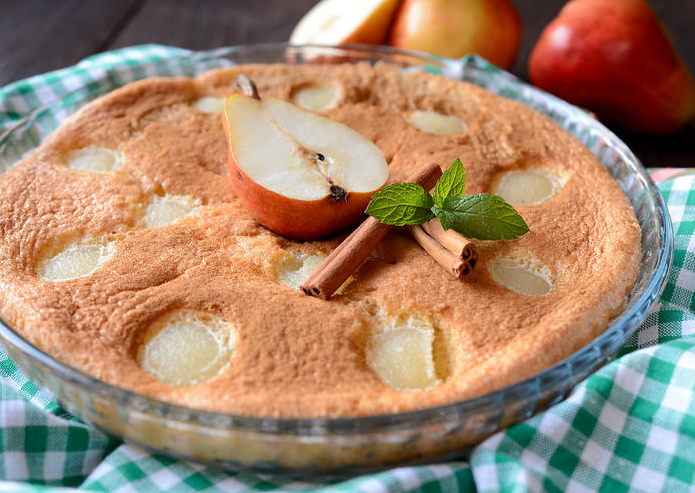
[125,254]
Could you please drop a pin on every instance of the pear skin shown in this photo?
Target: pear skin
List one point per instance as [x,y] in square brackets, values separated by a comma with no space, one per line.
[616,59]
[455,28]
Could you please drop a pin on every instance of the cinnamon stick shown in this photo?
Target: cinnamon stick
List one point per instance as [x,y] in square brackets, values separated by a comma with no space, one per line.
[345,259]
[452,263]
[455,242]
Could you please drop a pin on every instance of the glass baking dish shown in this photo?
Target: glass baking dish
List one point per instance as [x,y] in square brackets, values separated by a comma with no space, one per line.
[354,445]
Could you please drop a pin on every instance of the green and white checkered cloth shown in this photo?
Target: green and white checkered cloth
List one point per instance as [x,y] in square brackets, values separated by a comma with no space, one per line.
[630,426]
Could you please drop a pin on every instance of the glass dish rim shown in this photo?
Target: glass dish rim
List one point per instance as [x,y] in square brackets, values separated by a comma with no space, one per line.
[379,422]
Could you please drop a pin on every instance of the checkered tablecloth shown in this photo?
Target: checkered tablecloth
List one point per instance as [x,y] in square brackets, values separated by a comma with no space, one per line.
[631,425]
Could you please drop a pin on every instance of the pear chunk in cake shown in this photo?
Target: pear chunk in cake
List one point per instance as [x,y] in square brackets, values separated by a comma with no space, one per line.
[164,210]
[187,347]
[436,123]
[293,268]
[317,97]
[74,260]
[210,104]
[521,277]
[95,159]
[406,357]
[299,174]
[526,186]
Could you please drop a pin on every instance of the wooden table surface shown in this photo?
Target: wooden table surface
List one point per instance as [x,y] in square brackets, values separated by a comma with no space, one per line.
[41,35]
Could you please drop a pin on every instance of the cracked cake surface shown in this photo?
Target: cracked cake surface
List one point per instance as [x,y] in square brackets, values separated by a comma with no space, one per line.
[162,141]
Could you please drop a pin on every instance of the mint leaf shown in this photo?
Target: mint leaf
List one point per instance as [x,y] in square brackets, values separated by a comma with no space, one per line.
[483,216]
[401,204]
[451,184]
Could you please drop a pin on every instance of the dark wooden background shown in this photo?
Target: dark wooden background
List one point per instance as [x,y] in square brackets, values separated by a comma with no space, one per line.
[41,35]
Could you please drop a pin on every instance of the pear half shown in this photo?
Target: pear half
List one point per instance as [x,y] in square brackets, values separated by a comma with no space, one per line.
[299,174]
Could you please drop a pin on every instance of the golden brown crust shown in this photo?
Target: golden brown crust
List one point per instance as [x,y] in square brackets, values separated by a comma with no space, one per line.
[299,356]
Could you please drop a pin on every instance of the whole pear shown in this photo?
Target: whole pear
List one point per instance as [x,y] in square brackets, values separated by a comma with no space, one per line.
[615,58]
[454,28]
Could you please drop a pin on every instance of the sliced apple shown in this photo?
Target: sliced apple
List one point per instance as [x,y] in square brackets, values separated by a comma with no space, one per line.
[299,174]
[334,22]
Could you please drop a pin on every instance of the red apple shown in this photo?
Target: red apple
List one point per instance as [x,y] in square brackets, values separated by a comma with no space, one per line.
[299,174]
[616,59]
[454,28]
[334,22]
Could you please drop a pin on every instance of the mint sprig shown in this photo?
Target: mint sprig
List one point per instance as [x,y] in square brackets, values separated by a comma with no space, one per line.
[482,216]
